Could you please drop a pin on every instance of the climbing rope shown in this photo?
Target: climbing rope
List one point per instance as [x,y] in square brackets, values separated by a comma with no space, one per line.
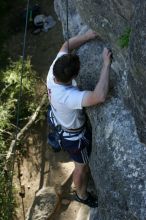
[22,188]
[11,165]
[67,30]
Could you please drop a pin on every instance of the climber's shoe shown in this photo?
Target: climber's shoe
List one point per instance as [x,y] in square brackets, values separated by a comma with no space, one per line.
[90,200]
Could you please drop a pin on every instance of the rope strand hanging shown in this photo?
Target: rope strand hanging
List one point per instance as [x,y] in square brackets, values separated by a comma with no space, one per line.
[10,207]
[67,29]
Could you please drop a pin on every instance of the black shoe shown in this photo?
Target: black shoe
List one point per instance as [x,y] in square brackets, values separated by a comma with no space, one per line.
[90,201]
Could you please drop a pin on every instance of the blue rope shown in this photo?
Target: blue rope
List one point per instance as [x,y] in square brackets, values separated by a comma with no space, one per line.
[17,118]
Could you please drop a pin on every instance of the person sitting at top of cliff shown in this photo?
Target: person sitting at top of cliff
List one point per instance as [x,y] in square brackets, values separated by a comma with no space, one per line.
[67,103]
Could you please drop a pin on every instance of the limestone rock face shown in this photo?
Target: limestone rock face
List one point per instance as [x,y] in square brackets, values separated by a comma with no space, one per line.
[118,156]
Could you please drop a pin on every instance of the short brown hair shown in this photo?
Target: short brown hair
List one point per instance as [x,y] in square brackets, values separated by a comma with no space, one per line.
[66,67]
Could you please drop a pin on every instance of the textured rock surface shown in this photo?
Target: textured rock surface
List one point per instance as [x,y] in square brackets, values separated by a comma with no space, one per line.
[43,205]
[118,157]
[111,19]
[137,73]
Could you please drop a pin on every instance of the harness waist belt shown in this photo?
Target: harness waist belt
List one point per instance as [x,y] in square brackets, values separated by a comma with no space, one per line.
[73,130]
[66,129]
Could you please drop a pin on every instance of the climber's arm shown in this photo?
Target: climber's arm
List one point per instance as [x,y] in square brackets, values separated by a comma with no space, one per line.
[100,92]
[77,41]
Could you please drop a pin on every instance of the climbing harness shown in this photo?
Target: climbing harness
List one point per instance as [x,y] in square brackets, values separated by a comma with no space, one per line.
[55,136]
[58,132]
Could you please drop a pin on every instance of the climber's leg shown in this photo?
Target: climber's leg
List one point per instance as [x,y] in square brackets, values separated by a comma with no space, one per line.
[79,150]
[80,178]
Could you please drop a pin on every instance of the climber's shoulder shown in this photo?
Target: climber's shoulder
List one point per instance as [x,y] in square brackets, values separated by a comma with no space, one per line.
[64,48]
[90,98]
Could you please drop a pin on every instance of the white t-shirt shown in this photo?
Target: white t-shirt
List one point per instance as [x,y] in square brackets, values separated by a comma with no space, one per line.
[66,101]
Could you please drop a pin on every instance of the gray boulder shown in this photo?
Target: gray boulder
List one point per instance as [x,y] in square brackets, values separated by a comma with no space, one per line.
[44,204]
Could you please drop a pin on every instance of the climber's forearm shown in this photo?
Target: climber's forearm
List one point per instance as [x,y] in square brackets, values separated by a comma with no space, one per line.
[75,42]
[101,89]
[100,92]
[78,40]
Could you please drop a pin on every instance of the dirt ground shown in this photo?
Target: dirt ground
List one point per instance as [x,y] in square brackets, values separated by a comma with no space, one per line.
[40,166]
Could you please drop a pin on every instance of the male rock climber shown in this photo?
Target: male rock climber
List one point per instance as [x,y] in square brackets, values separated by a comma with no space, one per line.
[67,102]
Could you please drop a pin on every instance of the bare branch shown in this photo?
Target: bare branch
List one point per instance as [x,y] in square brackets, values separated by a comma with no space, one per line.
[25,128]
[6,132]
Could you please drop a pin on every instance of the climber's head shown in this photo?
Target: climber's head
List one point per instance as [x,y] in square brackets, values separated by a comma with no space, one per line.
[66,68]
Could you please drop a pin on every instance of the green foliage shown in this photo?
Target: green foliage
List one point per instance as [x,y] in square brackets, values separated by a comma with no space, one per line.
[9,93]
[123,40]
[6,199]
[10,89]
[11,81]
